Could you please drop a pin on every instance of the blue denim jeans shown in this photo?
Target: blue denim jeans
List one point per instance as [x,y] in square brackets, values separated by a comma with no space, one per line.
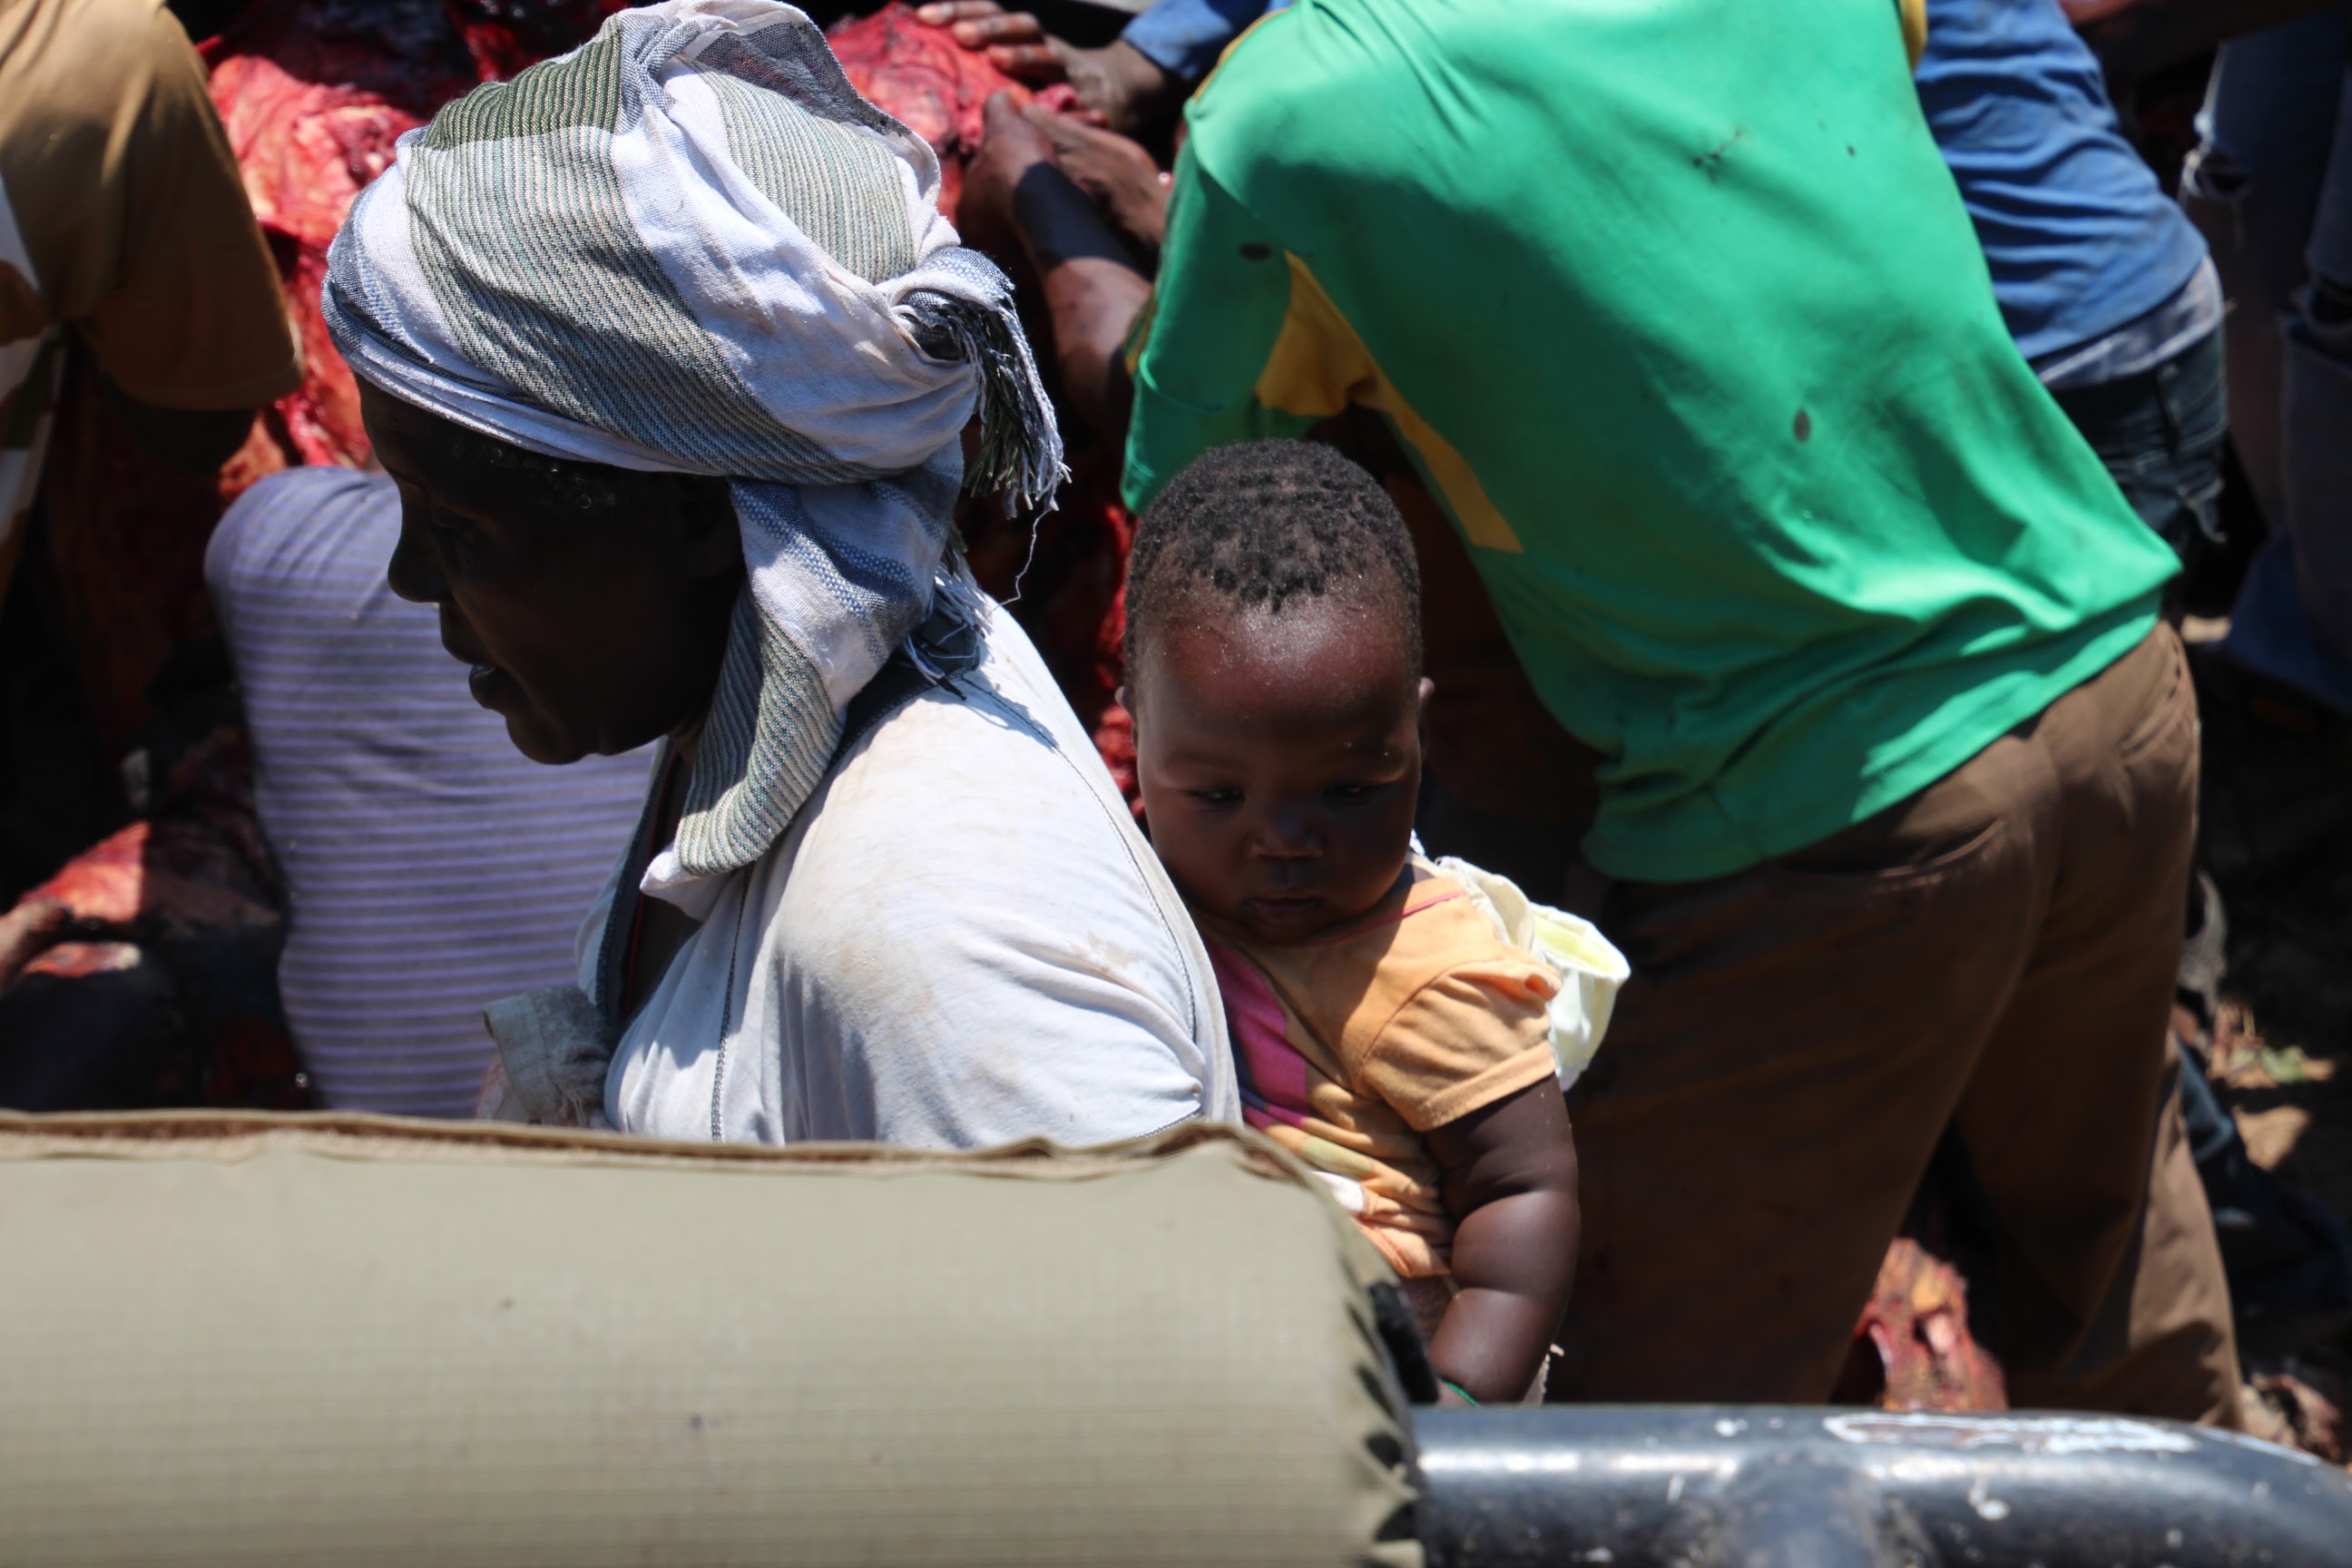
[2160,434]
[2271,186]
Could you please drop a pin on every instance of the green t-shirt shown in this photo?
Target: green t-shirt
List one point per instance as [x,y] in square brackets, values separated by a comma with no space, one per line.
[1676,308]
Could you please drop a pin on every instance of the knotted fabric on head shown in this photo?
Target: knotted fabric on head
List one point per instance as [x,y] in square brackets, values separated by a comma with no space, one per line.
[689,246]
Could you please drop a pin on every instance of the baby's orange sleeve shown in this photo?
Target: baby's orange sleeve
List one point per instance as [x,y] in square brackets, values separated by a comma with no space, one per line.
[1475,1034]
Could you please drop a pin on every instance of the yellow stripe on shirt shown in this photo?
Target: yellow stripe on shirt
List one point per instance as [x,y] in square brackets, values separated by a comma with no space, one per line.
[1319,367]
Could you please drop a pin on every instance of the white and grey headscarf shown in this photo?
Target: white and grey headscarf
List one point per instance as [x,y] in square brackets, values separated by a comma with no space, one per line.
[689,246]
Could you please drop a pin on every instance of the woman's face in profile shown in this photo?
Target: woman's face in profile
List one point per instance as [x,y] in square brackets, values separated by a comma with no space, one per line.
[591,603]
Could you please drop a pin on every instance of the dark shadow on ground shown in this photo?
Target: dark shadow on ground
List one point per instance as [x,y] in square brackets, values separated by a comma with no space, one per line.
[2277,841]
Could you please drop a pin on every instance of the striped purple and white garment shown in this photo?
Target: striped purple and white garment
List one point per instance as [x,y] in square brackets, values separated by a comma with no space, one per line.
[432,868]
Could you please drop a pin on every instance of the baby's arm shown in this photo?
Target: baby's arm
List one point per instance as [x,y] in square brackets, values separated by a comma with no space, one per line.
[1509,1185]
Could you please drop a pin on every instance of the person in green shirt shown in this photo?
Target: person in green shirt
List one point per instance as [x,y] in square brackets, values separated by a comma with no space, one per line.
[1673,314]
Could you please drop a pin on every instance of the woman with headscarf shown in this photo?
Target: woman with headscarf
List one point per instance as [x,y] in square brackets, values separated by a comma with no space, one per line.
[671,354]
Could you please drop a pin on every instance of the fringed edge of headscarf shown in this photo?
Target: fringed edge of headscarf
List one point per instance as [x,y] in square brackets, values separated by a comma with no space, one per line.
[1020,453]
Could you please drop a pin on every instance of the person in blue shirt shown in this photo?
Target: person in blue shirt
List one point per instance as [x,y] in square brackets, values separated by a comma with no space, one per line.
[2105,284]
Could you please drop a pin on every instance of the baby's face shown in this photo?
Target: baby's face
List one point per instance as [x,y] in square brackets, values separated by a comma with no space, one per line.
[1279,758]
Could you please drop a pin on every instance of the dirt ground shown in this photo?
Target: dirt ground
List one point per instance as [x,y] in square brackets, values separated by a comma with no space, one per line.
[2278,843]
[2277,840]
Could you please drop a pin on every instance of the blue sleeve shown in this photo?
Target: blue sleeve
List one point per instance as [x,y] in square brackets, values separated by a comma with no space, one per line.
[1184,37]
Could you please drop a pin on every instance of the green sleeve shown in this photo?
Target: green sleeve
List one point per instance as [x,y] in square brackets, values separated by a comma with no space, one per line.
[1201,342]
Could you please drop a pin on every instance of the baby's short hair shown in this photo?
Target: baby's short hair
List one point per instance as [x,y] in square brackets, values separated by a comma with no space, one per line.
[1265,523]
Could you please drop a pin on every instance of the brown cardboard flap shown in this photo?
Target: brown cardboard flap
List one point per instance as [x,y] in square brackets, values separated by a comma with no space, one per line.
[349,1339]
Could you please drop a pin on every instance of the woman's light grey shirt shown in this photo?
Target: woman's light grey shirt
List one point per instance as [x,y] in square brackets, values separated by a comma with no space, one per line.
[963,942]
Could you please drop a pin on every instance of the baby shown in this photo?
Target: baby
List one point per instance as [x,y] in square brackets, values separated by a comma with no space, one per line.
[1386,1033]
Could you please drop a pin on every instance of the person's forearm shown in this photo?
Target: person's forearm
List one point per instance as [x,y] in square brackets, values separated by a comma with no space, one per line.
[1514,1263]
[1093,293]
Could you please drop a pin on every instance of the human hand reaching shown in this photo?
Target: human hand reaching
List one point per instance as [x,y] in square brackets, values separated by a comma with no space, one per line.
[1009,148]
[1115,171]
[1117,81]
[1092,286]
[1016,42]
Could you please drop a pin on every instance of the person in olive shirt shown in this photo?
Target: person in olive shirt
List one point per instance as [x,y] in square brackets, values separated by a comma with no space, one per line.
[1676,317]
[125,230]
[127,244]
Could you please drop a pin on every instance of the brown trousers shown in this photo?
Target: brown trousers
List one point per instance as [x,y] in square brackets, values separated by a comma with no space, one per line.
[1994,955]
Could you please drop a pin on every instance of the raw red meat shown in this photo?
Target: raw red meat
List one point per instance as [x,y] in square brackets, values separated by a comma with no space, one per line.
[313,97]
[919,76]
[307,149]
[145,972]
[198,867]
[1914,1335]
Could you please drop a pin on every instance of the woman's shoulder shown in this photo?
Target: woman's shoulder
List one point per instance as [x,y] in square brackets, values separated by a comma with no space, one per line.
[995,746]
[979,814]
[965,896]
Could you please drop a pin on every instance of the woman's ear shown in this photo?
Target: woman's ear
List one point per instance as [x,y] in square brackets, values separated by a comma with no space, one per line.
[714,541]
